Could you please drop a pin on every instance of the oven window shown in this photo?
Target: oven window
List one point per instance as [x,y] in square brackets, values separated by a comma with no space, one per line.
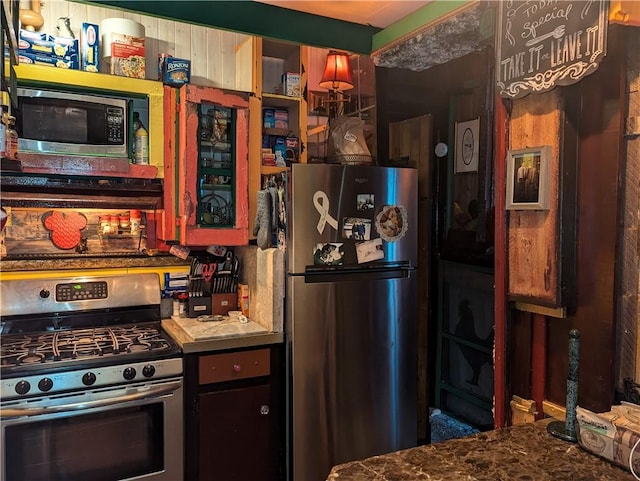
[109,445]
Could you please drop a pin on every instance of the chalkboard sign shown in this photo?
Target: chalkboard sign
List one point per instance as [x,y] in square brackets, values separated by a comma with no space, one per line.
[544,43]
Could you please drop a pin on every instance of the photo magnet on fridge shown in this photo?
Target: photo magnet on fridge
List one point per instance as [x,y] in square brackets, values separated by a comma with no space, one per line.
[391,222]
[330,254]
[365,201]
[369,251]
[356,228]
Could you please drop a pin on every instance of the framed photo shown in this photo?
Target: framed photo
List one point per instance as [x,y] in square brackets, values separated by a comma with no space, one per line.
[467,145]
[528,178]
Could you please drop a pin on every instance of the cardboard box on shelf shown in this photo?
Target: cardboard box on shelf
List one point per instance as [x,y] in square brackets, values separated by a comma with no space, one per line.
[268,158]
[68,62]
[90,47]
[275,118]
[291,84]
[268,118]
[127,56]
[43,49]
[44,44]
[292,153]
[174,71]
[281,118]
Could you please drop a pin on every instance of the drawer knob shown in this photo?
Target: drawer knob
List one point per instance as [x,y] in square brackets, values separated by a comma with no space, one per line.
[264,409]
[236,368]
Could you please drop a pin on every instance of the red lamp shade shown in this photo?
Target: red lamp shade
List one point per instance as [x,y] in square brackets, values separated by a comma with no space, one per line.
[337,73]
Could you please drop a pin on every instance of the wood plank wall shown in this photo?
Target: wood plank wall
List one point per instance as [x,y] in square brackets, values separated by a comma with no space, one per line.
[219,58]
[533,235]
[598,100]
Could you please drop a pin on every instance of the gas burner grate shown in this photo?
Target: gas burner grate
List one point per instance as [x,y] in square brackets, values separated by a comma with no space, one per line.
[78,344]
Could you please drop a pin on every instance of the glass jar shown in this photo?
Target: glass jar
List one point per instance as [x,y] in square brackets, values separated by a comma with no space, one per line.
[114,224]
[135,219]
[11,139]
[125,222]
[105,225]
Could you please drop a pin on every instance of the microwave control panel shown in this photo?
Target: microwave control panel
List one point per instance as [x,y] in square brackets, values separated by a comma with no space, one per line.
[115,125]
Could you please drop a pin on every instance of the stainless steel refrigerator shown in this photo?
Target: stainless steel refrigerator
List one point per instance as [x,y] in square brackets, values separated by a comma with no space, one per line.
[351,314]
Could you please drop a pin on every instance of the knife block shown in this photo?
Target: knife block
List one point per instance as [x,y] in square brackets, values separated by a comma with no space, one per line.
[199,306]
[224,302]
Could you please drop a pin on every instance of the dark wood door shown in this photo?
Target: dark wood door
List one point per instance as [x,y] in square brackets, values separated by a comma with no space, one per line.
[410,144]
[233,435]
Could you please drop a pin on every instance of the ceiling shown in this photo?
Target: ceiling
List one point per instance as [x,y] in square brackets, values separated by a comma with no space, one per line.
[377,13]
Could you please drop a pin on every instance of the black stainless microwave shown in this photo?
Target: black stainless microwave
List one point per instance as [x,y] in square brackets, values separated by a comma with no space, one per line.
[58,122]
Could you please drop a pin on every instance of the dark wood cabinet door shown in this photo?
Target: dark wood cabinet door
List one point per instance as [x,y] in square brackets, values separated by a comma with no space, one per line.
[234,434]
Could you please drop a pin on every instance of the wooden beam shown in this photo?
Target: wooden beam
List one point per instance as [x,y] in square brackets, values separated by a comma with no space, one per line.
[500,134]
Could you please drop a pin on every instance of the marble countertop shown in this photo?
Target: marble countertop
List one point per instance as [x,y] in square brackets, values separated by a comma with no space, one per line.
[195,336]
[518,453]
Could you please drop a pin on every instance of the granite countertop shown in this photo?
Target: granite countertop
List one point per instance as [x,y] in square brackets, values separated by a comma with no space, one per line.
[518,453]
[195,336]
[75,263]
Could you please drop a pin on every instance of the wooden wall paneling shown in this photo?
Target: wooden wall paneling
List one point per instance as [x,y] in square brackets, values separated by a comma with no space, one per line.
[152,45]
[198,56]
[52,11]
[501,135]
[227,61]
[244,62]
[214,57]
[136,17]
[533,236]
[383,90]
[465,184]
[182,39]
[166,37]
[79,13]
[520,354]
[539,361]
[217,58]
[628,362]
[601,96]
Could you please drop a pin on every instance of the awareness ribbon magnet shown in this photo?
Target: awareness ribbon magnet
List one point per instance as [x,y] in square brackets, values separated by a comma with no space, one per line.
[321,203]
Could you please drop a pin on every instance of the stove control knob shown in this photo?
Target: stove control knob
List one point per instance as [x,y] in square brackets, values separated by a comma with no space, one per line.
[148,370]
[88,379]
[129,373]
[23,387]
[45,384]
[44,293]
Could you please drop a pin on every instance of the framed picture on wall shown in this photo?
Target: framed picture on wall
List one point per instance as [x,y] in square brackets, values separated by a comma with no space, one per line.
[528,178]
[467,145]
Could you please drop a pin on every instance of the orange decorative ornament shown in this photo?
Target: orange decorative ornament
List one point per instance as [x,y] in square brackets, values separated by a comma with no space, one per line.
[65,228]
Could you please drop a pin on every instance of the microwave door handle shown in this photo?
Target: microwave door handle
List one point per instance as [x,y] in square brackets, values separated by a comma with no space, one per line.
[148,394]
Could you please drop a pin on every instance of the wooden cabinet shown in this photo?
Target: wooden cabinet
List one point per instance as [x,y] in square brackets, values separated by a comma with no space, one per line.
[206,173]
[274,59]
[234,415]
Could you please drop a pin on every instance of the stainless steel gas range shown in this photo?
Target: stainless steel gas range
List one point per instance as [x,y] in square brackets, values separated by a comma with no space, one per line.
[90,385]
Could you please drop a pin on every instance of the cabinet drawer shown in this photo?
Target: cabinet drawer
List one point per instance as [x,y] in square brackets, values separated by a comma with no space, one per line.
[234,365]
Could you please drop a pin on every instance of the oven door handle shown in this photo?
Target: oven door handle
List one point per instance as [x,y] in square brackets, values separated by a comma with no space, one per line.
[147,394]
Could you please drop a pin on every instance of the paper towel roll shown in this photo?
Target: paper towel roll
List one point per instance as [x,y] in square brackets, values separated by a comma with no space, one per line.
[117,25]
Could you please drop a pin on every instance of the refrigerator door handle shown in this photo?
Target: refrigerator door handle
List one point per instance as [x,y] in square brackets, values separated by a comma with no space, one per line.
[355,274]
